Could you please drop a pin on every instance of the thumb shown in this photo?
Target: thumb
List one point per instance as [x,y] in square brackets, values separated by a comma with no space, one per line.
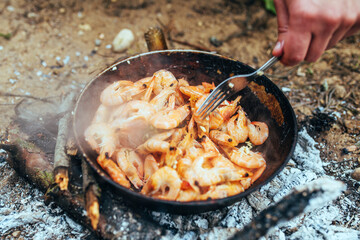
[283,24]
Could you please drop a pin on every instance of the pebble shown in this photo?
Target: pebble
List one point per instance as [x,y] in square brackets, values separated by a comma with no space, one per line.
[80,15]
[340,91]
[62,10]
[85,27]
[10,8]
[97,42]
[300,73]
[123,40]
[101,36]
[356,174]
[16,234]
[31,15]
[215,42]
[352,148]
[324,85]
[1,48]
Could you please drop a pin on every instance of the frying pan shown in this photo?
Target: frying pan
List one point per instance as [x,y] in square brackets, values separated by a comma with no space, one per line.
[262,100]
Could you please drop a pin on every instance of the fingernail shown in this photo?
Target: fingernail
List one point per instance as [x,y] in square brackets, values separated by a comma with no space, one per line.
[279,45]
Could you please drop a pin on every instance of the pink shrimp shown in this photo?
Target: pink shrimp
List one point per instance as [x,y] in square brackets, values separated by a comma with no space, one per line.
[150,167]
[222,138]
[165,183]
[102,114]
[131,164]
[258,132]
[246,158]
[237,127]
[192,91]
[210,175]
[170,118]
[102,138]
[156,143]
[164,79]
[120,92]
[222,191]
[159,101]
[113,170]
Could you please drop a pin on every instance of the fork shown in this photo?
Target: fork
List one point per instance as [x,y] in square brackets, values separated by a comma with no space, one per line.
[229,87]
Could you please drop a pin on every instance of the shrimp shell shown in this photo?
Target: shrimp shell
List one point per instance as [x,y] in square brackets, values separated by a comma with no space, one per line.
[258,132]
[169,118]
[131,164]
[113,170]
[120,92]
[165,181]
[164,79]
[244,157]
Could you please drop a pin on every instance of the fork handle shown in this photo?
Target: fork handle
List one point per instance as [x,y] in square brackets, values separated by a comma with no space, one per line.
[268,64]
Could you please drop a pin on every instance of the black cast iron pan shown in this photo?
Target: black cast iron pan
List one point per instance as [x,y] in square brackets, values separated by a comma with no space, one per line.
[262,100]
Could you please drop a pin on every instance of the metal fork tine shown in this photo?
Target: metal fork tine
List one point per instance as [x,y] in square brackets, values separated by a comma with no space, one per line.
[214,105]
[208,100]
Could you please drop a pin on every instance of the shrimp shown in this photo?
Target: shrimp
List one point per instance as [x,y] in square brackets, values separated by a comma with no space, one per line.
[101,114]
[188,195]
[120,92]
[164,79]
[156,144]
[102,138]
[237,127]
[208,86]
[258,173]
[113,170]
[150,167]
[246,158]
[228,110]
[192,91]
[223,190]
[212,175]
[183,82]
[159,101]
[222,138]
[165,182]
[125,114]
[208,145]
[258,132]
[131,164]
[169,118]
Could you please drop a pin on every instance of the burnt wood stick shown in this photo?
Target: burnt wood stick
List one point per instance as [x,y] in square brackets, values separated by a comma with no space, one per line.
[288,208]
[92,195]
[155,39]
[61,159]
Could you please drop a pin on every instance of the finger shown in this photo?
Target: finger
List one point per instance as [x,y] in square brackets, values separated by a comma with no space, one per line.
[317,46]
[354,29]
[346,26]
[296,46]
[283,24]
[337,36]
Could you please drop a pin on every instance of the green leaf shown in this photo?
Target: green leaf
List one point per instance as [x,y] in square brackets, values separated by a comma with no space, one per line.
[7,36]
[269,5]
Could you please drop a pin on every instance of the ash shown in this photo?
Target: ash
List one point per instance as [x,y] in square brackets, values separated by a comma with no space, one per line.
[331,215]
[23,214]
[324,218]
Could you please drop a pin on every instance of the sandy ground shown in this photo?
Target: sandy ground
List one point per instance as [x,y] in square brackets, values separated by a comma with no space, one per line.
[52,48]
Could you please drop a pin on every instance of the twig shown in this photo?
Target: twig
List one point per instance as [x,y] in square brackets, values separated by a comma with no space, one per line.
[61,159]
[23,96]
[92,195]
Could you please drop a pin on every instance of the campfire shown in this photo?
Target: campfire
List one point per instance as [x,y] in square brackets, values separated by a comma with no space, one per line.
[46,154]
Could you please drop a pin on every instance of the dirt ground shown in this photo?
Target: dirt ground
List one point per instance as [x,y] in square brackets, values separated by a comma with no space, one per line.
[48,47]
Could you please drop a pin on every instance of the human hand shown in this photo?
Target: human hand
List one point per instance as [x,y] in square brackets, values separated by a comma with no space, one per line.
[306,28]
